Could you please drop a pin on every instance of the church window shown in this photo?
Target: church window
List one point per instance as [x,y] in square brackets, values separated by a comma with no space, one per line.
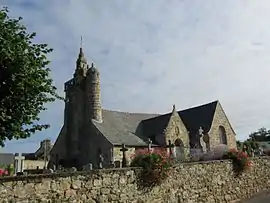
[222,135]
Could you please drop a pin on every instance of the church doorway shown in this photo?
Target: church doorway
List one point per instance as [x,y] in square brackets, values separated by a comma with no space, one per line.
[179,149]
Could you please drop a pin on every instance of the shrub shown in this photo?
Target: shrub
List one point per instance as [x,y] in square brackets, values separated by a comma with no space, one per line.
[155,166]
[241,160]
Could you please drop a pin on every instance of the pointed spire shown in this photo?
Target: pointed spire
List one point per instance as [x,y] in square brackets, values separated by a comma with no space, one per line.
[81,42]
[81,54]
[81,59]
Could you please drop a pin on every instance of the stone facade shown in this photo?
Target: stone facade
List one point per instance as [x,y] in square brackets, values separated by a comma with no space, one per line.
[33,164]
[89,130]
[215,182]
[220,120]
[176,130]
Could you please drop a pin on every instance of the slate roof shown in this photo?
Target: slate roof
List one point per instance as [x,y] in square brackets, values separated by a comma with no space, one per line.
[120,127]
[6,158]
[193,119]
[200,116]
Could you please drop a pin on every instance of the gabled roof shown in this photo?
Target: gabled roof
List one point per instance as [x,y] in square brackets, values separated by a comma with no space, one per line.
[193,119]
[200,116]
[121,127]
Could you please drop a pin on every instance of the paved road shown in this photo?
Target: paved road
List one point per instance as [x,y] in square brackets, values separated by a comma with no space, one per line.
[259,199]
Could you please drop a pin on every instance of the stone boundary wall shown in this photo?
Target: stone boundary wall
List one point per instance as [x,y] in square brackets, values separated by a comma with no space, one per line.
[208,182]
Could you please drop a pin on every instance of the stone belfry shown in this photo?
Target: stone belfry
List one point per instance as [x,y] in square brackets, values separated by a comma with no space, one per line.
[93,94]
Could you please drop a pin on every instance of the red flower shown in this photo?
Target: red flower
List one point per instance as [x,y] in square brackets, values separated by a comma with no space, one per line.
[3,172]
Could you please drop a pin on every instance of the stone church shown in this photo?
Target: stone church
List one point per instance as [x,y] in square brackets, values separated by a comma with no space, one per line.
[89,130]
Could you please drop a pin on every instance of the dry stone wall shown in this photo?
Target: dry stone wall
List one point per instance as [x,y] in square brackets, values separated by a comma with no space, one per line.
[209,182]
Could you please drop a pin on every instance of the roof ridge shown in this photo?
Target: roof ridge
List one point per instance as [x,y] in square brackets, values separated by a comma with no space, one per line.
[194,107]
[126,112]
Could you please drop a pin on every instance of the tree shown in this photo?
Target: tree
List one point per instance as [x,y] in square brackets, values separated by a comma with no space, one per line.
[25,83]
[239,145]
[260,135]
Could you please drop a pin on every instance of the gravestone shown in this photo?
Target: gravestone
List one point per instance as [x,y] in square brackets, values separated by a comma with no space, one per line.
[111,160]
[124,159]
[117,164]
[200,131]
[88,167]
[18,165]
[100,161]
[73,169]
[149,145]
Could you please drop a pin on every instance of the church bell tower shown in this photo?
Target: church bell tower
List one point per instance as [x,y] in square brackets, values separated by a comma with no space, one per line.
[93,94]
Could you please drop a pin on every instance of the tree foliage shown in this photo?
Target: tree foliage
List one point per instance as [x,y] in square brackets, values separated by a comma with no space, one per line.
[261,135]
[25,82]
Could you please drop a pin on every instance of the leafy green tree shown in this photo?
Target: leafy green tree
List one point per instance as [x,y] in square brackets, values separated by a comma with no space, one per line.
[25,82]
[260,135]
[239,145]
[250,145]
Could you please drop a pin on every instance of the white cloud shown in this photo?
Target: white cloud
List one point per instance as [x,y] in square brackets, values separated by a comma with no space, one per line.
[153,54]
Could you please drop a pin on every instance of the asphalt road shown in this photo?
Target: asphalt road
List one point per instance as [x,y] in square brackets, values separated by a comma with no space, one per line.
[259,199]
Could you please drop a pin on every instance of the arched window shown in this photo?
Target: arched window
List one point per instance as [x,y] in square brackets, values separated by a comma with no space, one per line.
[222,135]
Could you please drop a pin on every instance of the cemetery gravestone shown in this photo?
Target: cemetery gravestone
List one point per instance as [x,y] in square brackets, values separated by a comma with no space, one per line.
[124,160]
[88,167]
[117,164]
[19,163]
[149,145]
[101,160]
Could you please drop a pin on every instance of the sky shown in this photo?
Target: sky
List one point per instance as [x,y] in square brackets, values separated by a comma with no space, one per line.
[156,53]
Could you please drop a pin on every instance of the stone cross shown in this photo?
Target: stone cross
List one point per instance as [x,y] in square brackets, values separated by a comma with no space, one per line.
[19,160]
[111,158]
[88,167]
[149,144]
[124,160]
[101,160]
[200,131]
